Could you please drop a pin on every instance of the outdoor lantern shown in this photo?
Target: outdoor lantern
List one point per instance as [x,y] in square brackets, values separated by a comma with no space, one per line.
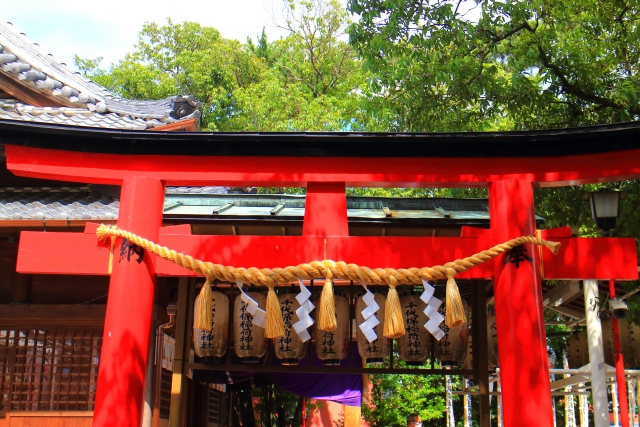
[289,348]
[212,345]
[629,343]
[467,363]
[492,344]
[605,207]
[331,347]
[452,348]
[373,352]
[413,347]
[578,349]
[250,342]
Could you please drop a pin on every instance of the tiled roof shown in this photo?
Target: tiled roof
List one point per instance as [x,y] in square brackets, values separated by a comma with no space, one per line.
[56,203]
[11,109]
[87,203]
[96,203]
[26,62]
[196,190]
[71,203]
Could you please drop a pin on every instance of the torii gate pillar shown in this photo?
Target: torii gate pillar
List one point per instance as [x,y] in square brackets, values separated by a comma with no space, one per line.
[524,366]
[125,343]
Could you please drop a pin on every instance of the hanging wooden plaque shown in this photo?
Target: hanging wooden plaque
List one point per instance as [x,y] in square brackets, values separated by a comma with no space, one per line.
[578,349]
[289,348]
[452,348]
[331,347]
[373,352]
[467,363]
[629,343]
[212,345]
[414,347]
[250,343]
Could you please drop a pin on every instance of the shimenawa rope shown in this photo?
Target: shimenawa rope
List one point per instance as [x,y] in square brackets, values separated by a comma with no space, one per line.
[393,325]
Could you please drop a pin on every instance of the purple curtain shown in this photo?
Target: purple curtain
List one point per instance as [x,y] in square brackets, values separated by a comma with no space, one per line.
[340,388]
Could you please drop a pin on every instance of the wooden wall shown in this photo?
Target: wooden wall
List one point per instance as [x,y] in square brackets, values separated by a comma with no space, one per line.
[48,419]
[61,289]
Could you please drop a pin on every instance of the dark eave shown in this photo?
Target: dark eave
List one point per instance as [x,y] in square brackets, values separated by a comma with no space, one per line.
[542,143]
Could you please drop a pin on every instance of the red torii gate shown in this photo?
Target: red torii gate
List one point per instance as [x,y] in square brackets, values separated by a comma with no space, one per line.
[510,180]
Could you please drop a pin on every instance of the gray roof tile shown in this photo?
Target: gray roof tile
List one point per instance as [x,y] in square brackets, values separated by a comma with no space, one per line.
[55,203]
[77,203]
[10,109]
[24,60]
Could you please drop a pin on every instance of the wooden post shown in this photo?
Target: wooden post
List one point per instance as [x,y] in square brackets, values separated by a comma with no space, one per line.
[21,289]
[149,386]
[186,352]
[596,356]
[175,410]
[480,355]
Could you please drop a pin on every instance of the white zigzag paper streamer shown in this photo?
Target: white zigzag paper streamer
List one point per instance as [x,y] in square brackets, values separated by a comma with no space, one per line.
[435,318]
[259,315]
[369,314]
[306,306]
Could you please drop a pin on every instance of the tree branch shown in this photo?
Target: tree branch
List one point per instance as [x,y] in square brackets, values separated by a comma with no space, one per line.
[495,38]
[571,89]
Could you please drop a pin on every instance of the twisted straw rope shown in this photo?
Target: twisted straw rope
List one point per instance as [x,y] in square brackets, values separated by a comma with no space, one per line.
[323,269]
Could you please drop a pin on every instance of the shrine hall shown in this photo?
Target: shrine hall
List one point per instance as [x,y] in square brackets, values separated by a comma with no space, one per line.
[146,281]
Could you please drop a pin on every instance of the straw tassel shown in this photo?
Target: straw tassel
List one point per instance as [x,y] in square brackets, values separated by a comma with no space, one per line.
[203,308]
[455,316]
[113,243]
[393,324]
[327,311]
[554,247]
[103,233]
[275,325]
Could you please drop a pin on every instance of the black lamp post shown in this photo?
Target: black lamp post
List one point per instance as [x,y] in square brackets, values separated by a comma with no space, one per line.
[605,206]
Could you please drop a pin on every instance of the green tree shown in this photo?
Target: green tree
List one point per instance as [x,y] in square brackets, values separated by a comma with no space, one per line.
[262,49]
[315,54]
[314,78]
[307,81]
[185,58]
[480,65]
[395,396]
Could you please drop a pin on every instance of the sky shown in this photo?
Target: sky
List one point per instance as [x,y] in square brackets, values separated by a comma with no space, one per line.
[110,28]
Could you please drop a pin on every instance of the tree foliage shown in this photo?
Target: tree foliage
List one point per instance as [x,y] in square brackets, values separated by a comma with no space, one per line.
[479,65]
[306,81]
[395,396]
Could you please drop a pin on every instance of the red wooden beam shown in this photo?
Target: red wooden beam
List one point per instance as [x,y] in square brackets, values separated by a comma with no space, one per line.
[286,171]
[405,252]
[242,251]
[61,253]
[80,253]
[602,259]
